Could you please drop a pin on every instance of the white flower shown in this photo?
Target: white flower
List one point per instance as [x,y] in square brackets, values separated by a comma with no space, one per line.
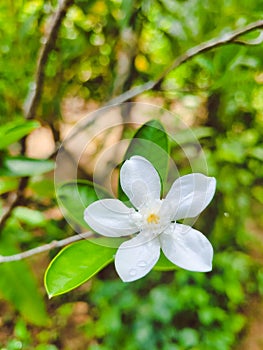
[154,220]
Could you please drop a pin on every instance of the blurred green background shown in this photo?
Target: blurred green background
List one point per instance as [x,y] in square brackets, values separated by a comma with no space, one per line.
[103,49]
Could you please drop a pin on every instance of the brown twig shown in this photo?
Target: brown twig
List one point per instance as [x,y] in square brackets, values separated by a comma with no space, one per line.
[35,94]
[48,44]
[19,195]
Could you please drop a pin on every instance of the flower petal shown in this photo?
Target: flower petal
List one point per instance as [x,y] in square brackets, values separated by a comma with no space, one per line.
[110,217]
[136,257]
[187,248]
[140,181]
[189,196]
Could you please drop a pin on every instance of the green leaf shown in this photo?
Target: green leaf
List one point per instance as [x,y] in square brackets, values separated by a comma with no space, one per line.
[163,264]
[30,217]
[231,151]
[14,131]
[151,142]
[74,265]
[7,184]
[42,187]
[74,197]
[192,135]
[23,166]
[257,192]
[257,153]
[18,285]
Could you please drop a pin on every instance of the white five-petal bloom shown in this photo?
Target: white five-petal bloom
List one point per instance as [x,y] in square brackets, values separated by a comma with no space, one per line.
[153,220]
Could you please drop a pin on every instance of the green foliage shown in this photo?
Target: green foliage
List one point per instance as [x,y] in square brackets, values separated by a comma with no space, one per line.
[7,184]
[103,49]
[151,142]
[181,310]
[163,264]
[23,166]
[14,131]
[33,218]
[18,285]
[74,197]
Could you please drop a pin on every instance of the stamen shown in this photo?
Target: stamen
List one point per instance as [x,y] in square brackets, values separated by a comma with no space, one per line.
[153,219]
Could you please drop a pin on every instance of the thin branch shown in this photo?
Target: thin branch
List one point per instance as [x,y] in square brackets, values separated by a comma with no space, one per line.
[188,55]
[48,45]
[19,195]
[45,247]
[35,94]
[224,39]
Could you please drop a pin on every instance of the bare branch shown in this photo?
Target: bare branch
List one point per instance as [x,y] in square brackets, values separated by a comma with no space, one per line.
[210,44]
[188,55]
[45,247]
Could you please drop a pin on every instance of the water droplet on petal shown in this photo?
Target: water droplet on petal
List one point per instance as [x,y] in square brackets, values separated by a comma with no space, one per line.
[132,272]
[142,263]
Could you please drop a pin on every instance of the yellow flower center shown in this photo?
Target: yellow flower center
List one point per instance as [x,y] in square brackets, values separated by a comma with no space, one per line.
[153,219]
